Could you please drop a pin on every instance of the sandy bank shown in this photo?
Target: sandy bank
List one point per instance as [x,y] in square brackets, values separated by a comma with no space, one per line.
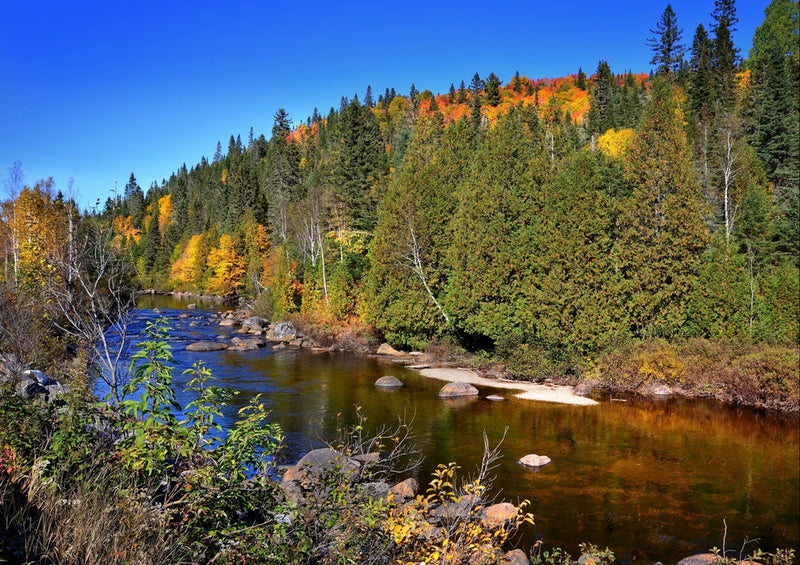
[530,391]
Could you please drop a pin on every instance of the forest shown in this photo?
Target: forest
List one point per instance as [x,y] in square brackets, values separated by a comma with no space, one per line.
[547,221]
[608,226]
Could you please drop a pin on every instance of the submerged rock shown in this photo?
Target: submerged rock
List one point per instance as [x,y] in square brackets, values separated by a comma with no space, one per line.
[207,346]
[533,460]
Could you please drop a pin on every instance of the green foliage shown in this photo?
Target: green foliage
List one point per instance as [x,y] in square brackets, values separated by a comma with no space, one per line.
[494,231]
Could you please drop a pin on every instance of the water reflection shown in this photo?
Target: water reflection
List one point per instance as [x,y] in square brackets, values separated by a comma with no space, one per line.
[651,480]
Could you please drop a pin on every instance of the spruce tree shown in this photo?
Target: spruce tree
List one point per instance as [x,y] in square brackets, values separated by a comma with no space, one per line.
[580,82]
[603,99]
[725,55]
[666,44]
[492,90]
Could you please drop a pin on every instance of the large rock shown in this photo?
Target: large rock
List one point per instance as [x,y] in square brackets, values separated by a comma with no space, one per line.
[498,514]
[405,490]
[28,388]
[316,462]
[386,349]
[388,382]
[533,460]
[255,322]
[282,332]
[40,377]
[207,346]
[583,389]
[228,322]
[455,390]
[700,559]
[515,557]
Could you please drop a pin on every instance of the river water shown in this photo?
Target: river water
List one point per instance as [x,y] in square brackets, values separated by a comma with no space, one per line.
[652,480]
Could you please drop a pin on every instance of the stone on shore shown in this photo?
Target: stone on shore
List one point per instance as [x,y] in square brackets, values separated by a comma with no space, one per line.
[256,322]
[405,490]
[498,514]
[454,390]
[533,460]
[388,382]
[700,559]
[515,557]
[202,346]
[386,349]
[583,389]
[284,332]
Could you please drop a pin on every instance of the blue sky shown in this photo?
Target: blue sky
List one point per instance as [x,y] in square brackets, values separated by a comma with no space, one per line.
[92,91]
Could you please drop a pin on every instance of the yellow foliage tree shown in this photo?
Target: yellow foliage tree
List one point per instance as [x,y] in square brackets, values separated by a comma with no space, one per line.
[613,142]
[38,232]
[227,268]
[187,271]
[164,212]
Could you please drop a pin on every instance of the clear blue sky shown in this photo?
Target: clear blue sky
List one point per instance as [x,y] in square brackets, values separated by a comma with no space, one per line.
[92,91]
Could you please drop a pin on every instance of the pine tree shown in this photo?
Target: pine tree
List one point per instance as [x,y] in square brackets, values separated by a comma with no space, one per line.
[462,93]
[603,98]
[701,98]
[667,50]
[725,55]
[493,90]
[580,82]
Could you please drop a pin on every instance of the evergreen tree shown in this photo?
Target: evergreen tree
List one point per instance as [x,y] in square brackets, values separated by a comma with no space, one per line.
[725,55]
[667,49]
[701,96]
[663,232]
[780,25]
[580,82]
[368,101]
[497,206]
[603,99]
[516,83]
[462,93]
[451,95]
[358,164]
[492,90]
[408,274]
[134,199]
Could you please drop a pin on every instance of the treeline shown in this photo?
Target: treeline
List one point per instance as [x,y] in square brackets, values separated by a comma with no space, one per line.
[564,217]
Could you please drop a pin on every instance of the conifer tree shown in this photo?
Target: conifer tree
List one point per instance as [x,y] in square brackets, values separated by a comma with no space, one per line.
[667,49]
[603,98]
[492,90]
[663,232]
[497,206]
[725,55]
[580,82]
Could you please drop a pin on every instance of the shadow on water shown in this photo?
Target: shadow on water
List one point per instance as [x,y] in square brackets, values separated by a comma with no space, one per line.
[652,480]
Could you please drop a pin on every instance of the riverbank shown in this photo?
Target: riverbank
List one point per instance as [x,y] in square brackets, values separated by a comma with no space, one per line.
[760,375]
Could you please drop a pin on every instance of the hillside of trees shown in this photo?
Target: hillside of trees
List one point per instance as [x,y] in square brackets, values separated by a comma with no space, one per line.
[564,218]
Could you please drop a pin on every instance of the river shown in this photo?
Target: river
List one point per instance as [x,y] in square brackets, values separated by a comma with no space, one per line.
[654,480]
